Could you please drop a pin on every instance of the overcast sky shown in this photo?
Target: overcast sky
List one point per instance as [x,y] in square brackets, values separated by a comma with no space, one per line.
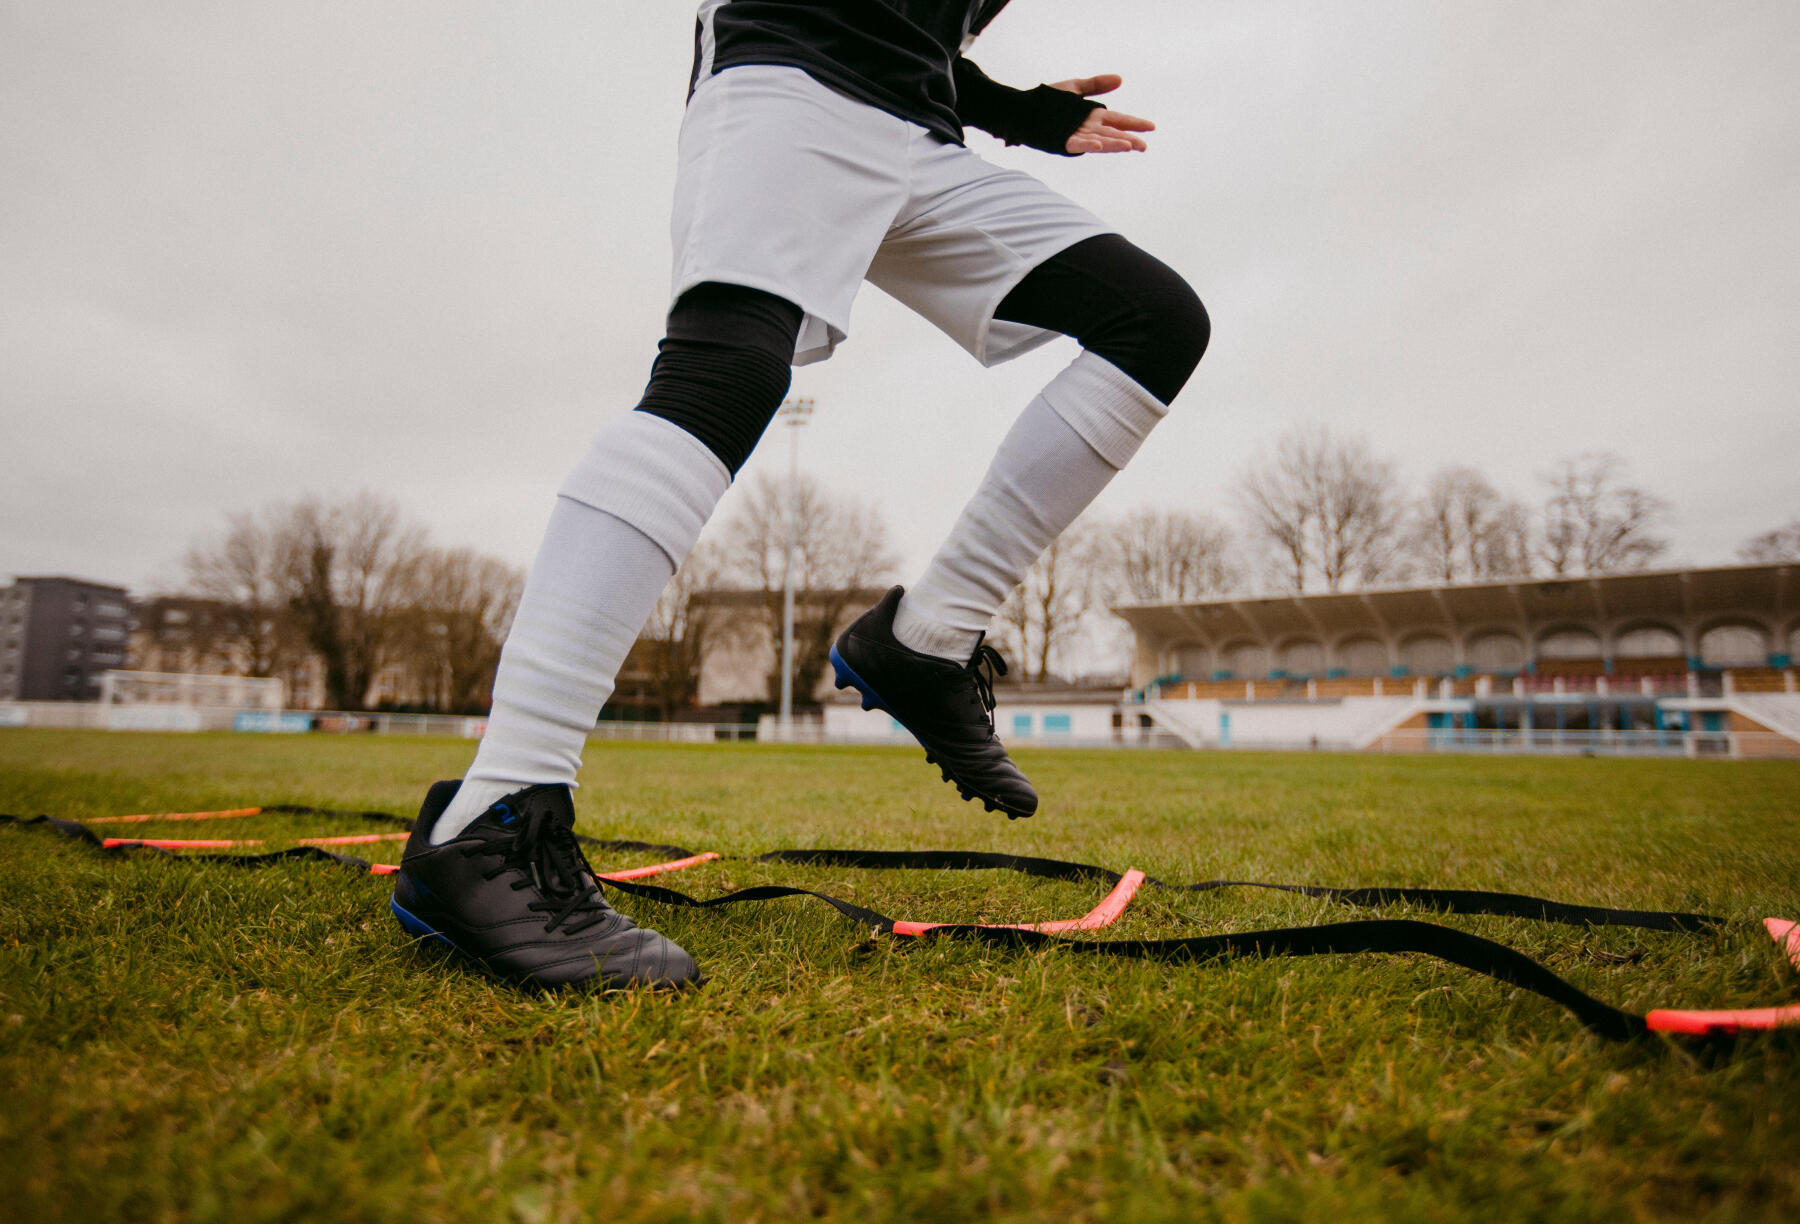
[252,250]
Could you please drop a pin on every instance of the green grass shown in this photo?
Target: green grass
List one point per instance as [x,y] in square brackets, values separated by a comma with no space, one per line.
[206,1042]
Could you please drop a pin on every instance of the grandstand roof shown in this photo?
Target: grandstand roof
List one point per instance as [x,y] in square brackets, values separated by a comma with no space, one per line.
[1767,593]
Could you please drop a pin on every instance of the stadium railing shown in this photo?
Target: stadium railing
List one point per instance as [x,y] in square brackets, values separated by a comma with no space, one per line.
[1724,744]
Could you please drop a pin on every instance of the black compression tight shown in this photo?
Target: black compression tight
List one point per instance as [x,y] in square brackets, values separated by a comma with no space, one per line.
[1122,304]
[722,369]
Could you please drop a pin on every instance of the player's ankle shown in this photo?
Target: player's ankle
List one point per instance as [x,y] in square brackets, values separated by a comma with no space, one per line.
[473,797]
[916,628]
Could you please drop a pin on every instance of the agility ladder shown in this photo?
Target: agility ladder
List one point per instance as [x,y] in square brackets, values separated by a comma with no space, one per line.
[1382,935]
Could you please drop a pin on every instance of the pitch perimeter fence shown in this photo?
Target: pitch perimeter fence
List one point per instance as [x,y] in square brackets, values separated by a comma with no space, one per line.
[70,715]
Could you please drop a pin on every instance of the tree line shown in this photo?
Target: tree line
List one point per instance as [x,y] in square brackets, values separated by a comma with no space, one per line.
[357,589]
[1320,510]
[361,588]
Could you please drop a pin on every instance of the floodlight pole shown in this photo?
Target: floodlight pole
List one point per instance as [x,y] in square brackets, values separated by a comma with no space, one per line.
[794,413]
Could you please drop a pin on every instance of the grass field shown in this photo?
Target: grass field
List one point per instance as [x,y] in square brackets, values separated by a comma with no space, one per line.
[207,1042]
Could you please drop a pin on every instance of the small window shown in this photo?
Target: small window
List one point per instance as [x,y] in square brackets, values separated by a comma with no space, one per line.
[1056,724]
[1021,724]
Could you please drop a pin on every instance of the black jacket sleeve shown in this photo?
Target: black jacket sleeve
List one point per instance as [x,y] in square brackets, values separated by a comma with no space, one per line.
[1042,118]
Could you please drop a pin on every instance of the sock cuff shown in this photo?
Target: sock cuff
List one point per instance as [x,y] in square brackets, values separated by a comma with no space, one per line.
[1106,406]
[921,632]
[652,474]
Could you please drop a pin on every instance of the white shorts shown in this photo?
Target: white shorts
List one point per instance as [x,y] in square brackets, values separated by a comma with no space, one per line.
[790,187]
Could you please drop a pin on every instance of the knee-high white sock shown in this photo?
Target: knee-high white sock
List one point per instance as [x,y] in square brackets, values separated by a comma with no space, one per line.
[1061,452]
[624,520]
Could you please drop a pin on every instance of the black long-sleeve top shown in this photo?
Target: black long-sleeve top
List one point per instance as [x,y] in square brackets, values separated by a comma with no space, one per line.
[901,56]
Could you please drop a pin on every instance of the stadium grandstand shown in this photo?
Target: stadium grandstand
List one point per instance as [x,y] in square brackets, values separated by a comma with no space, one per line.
[1690,660]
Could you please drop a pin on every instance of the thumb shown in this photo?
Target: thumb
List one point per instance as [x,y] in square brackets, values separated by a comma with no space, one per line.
[1087,87]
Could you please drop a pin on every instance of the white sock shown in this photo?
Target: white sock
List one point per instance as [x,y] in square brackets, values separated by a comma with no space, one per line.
[1061,452]
[624,520]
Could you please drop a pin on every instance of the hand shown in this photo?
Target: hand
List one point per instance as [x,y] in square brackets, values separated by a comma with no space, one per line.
[1105,131]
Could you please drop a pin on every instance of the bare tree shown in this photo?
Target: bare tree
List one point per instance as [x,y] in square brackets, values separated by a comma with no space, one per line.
[1465,530]
[1043,613]
[348,572]
[1327,509]
[356,585]
[1782,544]
[1593,524]
[1167,556]
[840,548]
[683,628]
[241,571]
[449,632]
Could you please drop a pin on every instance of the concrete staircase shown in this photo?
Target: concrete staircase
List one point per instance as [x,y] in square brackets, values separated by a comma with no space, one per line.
[1777,711]
[1345,723]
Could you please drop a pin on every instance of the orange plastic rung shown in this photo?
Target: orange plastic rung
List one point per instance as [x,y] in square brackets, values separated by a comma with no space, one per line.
[1722,1023]
[357,840]
[230,814]
[1787,934]
[1102,915]
[383,868]
[638,873]
[165,844]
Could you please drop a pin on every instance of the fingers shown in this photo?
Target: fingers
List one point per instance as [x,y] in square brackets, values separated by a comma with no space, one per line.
[1106,82]
[1124,122]
[1108,131]
[1104,142]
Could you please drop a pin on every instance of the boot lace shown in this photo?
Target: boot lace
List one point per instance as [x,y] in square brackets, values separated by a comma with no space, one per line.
[983,666]
[545,849]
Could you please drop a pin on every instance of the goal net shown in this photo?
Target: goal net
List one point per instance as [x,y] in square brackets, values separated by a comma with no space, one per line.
[192,691]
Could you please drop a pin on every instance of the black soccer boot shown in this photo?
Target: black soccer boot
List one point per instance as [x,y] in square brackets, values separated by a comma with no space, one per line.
[948,706]
[514,893]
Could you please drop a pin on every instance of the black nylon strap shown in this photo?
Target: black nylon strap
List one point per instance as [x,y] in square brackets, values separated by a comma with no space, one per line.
[1384,935]
[1381,935]
[1448,900]
[1475,901]
[762,892]
[941,860]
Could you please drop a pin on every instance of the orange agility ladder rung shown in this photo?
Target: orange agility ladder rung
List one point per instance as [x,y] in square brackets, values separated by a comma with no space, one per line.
[1102,915]
[1787,934]
[360,839]
[1723,1023]
[166,844]
[638,873]
[229,814]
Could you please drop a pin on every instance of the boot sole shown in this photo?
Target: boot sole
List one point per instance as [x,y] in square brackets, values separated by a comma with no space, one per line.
[421,930]
[871,700]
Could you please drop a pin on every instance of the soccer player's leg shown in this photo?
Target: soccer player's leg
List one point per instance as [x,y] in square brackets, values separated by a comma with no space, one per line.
[919,653]
[493,869]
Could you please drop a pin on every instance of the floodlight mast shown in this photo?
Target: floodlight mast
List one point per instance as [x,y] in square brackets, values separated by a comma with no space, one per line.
[793,413]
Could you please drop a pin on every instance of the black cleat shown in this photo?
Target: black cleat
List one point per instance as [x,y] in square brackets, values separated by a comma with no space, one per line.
[948,707]
[514,893]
